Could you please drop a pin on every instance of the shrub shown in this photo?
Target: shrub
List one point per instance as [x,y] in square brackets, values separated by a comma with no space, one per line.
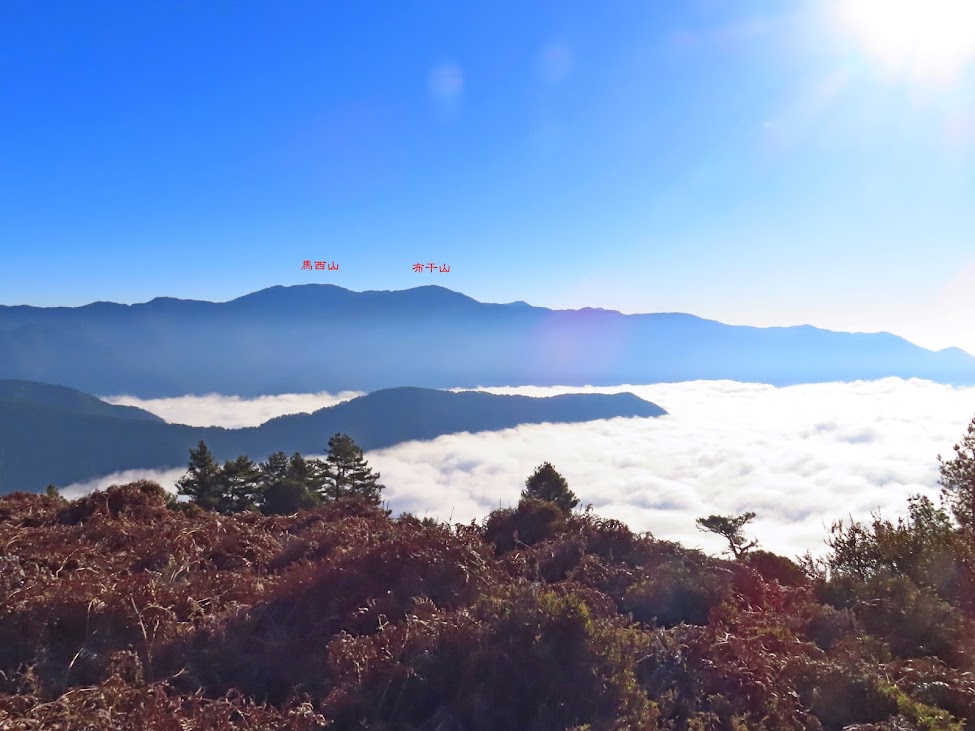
[532,521]
[141,499]
[374,572]
[828,626]
[116,612]
[839,697]
[677,592]
[527,659]
[934,683]
[776,568]
[28,510]
[913,620]
[611,540]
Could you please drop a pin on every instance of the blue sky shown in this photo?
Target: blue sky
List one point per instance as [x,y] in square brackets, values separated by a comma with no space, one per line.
[754,162]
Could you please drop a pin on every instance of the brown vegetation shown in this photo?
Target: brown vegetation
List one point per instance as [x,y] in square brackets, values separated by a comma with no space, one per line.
[118,611]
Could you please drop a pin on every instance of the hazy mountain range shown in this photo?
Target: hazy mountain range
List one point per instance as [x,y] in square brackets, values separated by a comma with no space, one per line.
[316,337]
[53,434]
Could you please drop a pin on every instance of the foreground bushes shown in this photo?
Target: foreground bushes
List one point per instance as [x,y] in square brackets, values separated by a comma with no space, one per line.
[528,658]
[119,611]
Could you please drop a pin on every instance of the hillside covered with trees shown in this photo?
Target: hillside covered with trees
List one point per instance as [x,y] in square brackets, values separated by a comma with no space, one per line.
[56,435]
[125,609]
[282,484]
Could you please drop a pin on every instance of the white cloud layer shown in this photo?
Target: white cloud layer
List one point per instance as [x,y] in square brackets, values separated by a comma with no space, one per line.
[232,411]
[799,457]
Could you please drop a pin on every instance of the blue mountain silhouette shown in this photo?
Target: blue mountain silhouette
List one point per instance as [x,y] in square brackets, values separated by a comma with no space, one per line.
[323,337]
[53,434]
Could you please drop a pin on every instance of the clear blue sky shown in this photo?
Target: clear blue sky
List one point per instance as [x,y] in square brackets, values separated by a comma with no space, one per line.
[754,162]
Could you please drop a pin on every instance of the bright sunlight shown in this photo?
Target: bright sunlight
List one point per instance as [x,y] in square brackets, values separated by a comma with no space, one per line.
[925,38]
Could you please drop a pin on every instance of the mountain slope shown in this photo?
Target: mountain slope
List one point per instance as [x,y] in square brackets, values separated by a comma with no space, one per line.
[42,444]
[68,401]
[322,337]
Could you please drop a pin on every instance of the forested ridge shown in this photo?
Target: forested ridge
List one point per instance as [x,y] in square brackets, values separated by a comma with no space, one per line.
[50,434]
[441,338]
[126,609]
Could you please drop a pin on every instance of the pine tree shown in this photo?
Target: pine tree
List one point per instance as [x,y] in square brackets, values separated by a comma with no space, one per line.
[347,474]
[547,484]
[240,486]
[304,471]
[729,527]
[275,469]
[289,485]
[202,482]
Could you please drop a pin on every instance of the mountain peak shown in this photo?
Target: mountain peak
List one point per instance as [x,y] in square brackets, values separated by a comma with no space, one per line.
[279,291]
[433,293]
[300,297]
[955,352]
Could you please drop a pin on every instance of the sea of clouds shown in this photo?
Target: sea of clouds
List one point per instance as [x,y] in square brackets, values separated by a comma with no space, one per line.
[232,412]
[800,457]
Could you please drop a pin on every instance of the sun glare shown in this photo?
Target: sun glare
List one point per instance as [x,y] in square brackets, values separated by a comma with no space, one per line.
[926,38]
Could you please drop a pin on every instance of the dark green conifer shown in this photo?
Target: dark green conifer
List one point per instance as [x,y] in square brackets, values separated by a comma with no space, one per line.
[275,468]
[347,473]
[288,485]
[202,483]
[547,484]
[240,483]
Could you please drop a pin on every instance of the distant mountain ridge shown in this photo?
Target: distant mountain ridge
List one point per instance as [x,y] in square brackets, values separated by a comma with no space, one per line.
[52,434]
[314,337]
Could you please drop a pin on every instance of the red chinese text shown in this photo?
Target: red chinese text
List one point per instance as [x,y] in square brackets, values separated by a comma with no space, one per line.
[431,267]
